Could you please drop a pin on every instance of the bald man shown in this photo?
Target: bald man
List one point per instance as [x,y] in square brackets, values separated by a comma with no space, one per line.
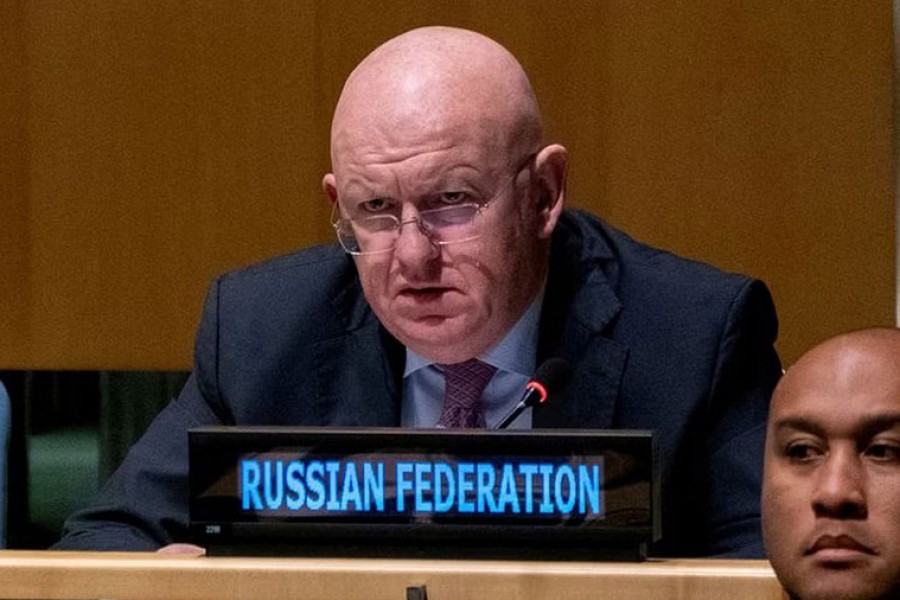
[831,497]
[455,255]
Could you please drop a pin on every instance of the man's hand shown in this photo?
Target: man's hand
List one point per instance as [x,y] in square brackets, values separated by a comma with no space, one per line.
[189,549]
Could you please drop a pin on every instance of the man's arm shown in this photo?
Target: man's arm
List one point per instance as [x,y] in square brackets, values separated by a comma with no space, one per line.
[144,505]
[747,369]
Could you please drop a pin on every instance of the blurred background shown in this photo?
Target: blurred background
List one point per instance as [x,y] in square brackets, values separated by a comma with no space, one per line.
[147,146]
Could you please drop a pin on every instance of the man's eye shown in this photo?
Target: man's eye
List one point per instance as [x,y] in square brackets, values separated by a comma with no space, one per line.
[886,452]
[802,452]
[375,205]
[452,198]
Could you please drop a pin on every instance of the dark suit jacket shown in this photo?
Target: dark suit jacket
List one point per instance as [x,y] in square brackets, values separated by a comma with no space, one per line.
[657,342]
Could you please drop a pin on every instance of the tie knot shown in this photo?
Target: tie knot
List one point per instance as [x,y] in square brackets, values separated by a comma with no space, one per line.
[465,383]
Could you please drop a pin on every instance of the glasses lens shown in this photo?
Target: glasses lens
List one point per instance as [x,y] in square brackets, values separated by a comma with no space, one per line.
[345,236]
[367,235]
[451,224]
[376,234]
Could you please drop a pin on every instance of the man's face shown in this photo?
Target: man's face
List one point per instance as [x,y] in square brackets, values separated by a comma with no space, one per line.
[447,302]
[831,493]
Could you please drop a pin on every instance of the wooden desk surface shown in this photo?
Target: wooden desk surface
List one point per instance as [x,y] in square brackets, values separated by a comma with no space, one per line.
[124,576]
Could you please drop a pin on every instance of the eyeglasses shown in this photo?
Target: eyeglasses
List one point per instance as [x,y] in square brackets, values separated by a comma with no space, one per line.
[453,224]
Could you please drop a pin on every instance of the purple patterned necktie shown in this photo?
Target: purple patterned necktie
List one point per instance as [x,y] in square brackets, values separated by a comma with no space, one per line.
[462,399]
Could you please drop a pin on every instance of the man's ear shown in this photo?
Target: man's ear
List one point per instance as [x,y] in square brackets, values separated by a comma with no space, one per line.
[330,186]
[550,168]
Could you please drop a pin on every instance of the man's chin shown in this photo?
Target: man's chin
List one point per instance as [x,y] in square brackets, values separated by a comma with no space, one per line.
[845,584]
[441,343]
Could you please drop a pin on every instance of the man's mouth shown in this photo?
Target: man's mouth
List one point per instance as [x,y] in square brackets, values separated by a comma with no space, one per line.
[424,294]
[838,548]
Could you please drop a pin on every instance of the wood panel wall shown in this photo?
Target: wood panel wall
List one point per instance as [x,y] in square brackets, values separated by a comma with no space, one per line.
[147,146]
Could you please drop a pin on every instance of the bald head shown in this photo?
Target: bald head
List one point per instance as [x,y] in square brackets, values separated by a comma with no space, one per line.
[831,489]
[434,78]
[845,359]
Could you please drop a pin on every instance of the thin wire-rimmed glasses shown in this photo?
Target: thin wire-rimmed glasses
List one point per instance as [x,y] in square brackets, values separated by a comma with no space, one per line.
[454,224]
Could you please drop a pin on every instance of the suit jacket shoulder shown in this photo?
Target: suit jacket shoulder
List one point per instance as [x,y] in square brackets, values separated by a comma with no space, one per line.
[677,346]
[293,341]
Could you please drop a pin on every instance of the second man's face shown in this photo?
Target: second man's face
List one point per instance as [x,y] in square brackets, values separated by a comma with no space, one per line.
[831,495]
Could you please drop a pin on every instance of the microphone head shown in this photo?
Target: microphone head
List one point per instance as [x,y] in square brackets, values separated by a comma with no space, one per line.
[551,376]
[554,373]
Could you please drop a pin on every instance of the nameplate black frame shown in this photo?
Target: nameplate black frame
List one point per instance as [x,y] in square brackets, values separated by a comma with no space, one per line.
[229,520]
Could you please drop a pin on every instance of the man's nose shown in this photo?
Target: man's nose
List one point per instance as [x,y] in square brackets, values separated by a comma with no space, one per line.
[840,487]
[415,248]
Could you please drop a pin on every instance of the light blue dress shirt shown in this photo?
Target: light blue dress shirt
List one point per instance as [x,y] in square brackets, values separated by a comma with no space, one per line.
[515,358]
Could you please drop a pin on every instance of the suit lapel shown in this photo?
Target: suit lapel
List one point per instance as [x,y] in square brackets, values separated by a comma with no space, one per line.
[358,374]
[580,307]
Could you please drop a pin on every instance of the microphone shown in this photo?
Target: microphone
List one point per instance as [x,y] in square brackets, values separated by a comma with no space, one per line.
[550,376]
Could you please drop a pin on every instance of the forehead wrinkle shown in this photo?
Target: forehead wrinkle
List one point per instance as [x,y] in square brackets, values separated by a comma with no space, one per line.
[478,142]
[423,166]
[389,183]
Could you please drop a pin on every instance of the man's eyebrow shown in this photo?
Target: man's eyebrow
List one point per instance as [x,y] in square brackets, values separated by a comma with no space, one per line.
[800,424]
[879,422]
